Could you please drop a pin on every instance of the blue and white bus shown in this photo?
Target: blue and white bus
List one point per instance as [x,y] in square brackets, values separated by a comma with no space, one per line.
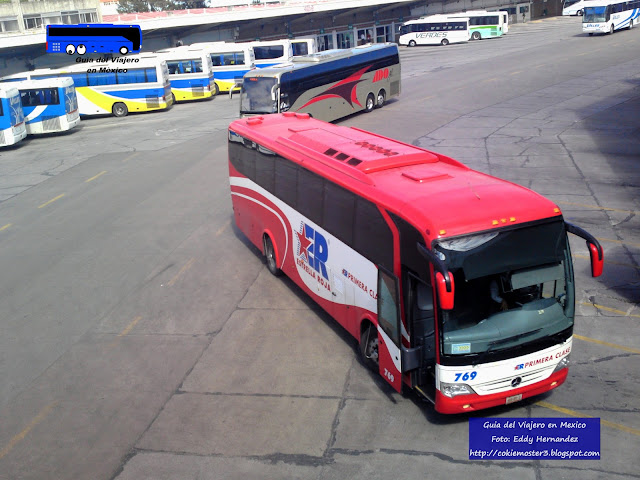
[94,38]
[49,105]
[608,16]
[230,62]
[190,73]
[12,127]
[136,83]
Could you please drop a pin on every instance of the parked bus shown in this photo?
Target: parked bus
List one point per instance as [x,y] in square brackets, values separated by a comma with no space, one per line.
[190,73]
[483,24]
[573,7]
[49,105]
[94,38]
[272,52]
[230,62]
[434,30]
[139,85]
[328,85]
[607,16]
[408,249]
[303,46]
[12,126]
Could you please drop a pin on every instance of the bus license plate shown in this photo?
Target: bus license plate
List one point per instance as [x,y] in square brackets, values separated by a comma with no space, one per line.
[515,398]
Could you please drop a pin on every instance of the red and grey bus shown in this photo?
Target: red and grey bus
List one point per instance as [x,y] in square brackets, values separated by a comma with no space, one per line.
[457,284]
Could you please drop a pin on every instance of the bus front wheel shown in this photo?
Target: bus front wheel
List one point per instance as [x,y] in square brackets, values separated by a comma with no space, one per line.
[215,90]
[579,13]
[119,110]
[630,24]
[381,98]
[611,30]
[444,42]
[475,36]
[270,255]
[412,43]
[370,104]
[369,347]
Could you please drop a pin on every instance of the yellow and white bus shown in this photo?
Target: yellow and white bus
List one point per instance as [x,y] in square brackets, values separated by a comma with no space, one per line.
[190,73]
[230,61]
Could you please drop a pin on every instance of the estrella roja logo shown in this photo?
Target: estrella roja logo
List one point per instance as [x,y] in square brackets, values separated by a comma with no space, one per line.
[520,367]
[312,246]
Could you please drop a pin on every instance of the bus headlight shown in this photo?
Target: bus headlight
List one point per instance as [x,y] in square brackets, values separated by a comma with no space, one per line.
[454,389]
[564,363]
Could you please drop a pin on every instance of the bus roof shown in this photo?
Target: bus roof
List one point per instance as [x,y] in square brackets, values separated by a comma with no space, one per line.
[180,53]
[435,18]
[8,91]
[221,47]
[439,195]
[44,83]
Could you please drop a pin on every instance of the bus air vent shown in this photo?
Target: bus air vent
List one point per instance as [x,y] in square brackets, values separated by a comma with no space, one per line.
[342,157]
[354,161]
[331,152]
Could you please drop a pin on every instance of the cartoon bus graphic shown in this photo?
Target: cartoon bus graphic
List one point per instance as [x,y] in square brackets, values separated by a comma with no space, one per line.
[94,38]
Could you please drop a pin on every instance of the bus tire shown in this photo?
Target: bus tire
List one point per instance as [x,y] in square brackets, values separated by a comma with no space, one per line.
[444,42]
[215,89]
[270,256]
[369,346]
[370,104]
[119,110]
[579,13]
[412,43]
[611,30]
[380,99]
[475,36]
[591,34]
[630,24]
[124,50]
[173,98]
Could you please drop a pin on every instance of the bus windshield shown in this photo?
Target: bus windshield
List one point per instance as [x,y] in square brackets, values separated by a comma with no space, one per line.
[594,15]
[256,95]
[511,288]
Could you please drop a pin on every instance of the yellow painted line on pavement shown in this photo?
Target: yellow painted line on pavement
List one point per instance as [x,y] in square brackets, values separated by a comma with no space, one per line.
[516,73]
[608,262]
[597,207]
[581,54]
[494,79]
[187,266]
[609,309]
[540,66]
[619,242]
[607,344]
[20,436]
[95,176]
[134,154]
[427,98]
[130,326]
[573,413]
[222,228]
[5,226]
[51,201]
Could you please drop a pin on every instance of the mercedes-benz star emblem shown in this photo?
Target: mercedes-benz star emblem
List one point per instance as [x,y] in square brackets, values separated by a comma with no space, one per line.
[516,381]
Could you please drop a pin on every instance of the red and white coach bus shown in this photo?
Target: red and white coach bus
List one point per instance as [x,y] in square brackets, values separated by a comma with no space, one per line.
[457,284]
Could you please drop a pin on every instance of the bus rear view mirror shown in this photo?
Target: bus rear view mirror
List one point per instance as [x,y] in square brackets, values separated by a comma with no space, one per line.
[597,260]
[446,290]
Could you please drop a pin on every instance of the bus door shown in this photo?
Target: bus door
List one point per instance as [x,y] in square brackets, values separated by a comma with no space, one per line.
[389,330]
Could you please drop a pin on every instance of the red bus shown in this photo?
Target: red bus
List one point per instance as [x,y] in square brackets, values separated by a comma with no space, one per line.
[457,284]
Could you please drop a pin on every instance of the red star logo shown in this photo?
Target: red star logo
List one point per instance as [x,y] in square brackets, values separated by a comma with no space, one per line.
[304,243]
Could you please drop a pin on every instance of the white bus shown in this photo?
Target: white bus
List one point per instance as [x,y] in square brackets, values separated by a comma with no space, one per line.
[190,73]
[609,16]
[573,7]
[135,83]
[271,52]
[12,126]
[327,85]
[483,24]
[230,61]
[303,46]
[49,105]
[434,30]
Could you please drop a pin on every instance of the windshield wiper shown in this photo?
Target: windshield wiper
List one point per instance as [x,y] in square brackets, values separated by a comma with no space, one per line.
[501,341]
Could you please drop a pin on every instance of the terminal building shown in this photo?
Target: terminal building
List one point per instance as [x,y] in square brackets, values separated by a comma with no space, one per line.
[333,23]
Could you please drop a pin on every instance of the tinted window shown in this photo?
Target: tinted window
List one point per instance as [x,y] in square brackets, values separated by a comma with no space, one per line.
[265,170]
[339,209]
[286,181]
[372,236]
[310,191]
[96,79]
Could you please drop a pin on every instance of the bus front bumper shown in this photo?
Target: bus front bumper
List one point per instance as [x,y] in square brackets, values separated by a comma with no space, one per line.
[470,403]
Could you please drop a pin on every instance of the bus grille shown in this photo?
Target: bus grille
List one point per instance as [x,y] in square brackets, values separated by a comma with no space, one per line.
[153,101]
[395,88]
[50,124]
[2,140]
[198,91]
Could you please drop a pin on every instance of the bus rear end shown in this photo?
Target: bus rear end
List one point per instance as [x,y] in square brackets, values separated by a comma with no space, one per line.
[12,124]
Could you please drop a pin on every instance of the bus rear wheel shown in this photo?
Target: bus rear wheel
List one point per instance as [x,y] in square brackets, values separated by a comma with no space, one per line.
[124,50]
[215,90]
[579,13]
[444,42]
[270,256]
[370,103]
[369,347]
[412,43]
[475,36]
[119,110]
[381,98]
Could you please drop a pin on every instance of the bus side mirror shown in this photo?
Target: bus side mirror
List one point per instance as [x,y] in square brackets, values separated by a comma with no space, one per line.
[446,290]
[597,260]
